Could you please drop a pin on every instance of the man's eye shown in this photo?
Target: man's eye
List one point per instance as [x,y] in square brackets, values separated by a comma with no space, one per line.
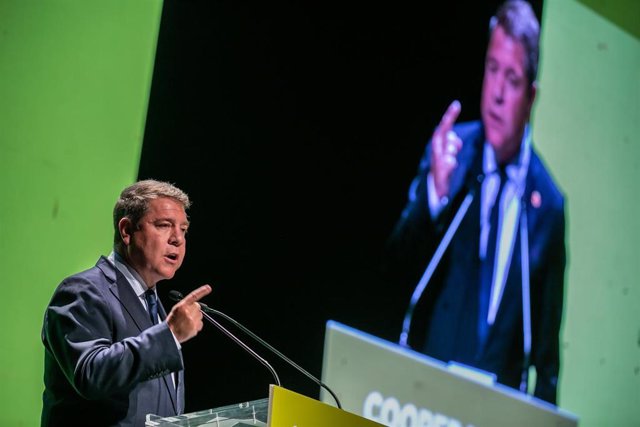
[513,80]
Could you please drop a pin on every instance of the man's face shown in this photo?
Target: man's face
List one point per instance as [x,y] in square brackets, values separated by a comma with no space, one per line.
[507,96]
[156,247]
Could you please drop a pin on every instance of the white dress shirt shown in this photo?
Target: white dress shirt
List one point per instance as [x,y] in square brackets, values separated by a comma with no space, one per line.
[510,205]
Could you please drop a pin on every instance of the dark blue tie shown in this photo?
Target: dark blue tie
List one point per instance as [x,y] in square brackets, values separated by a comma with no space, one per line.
[486,271]
[152,303]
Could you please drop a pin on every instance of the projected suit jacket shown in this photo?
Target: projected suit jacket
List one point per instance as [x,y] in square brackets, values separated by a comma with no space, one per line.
[105,364]
[445,321]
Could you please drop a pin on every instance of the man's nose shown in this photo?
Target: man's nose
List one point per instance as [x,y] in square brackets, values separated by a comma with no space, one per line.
[177,237]
[498,90]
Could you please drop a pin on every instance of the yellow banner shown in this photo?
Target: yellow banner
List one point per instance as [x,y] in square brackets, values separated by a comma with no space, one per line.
[289,409]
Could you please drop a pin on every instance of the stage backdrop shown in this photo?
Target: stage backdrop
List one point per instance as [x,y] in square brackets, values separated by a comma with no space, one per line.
[587,125]
[74,85]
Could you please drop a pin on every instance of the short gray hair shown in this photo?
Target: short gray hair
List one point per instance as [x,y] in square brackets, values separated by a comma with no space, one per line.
[134,201]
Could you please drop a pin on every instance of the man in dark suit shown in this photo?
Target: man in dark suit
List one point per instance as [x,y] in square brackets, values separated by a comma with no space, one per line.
[495,300]
[112,354]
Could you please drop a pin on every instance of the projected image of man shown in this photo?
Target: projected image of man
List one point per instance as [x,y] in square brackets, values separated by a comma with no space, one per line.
[495,300]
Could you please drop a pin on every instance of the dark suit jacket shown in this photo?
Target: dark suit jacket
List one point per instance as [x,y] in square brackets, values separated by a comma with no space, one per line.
[105,364]
[445,321]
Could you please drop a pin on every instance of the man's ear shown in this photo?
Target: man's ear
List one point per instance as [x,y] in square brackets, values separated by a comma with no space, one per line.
[533,92]
[125,228]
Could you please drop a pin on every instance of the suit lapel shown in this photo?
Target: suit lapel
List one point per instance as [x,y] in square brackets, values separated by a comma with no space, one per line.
[533,197]
[122,291]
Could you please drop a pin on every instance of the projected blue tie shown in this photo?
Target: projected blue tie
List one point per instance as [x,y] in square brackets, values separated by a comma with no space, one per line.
[486,271]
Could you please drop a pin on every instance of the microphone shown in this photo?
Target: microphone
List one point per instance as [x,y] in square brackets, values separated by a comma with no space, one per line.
[472,183]
[177,296]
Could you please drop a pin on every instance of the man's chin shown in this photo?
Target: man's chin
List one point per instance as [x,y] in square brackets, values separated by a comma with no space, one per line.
[495,139]
[168,274]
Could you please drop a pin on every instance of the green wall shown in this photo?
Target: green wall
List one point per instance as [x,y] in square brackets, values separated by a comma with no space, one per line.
[587,126]
[74,85]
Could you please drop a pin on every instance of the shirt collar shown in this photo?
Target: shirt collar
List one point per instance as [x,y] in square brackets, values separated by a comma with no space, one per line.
[132,276]
[517,169]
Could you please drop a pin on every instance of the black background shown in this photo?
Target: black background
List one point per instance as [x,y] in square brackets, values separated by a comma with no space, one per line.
[296,130]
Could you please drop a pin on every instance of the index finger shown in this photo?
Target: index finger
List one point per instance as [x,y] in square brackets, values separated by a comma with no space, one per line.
[450,116]
[199,293]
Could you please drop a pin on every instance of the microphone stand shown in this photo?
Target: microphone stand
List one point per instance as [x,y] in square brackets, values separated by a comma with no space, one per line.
[526,296]
[435,261]
[273,350]
[177,296]
[241,344]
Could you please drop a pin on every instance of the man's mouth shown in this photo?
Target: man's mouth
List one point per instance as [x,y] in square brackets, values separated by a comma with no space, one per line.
[495,118]
[172,257]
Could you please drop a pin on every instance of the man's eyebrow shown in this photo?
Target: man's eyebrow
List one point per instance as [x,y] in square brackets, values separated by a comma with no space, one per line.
[171,220]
